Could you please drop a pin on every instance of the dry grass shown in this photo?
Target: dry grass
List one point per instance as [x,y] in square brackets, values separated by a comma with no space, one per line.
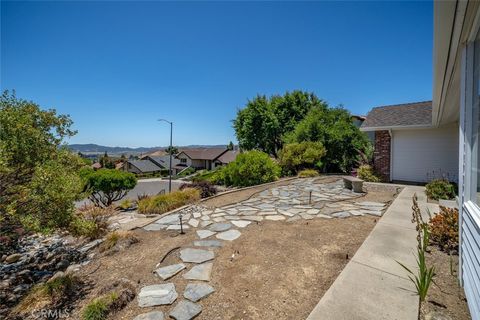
[91,221]
[118,239]
[166,202]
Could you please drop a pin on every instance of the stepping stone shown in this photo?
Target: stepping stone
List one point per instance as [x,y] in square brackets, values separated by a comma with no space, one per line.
[197,291]
[205,218]
[197,214]
[324,216]
[372,212]
[216,215]
[185,310]
[267,213]
[229,235]
[241,223]
[200,272]
[205,223]
[169,271]
[370,204]
[207,212]
[193,222]
[177,227]
[220,226]
[219,219]
[286,213]
[170,219]
[157,294]
[252,218]
[202,234]
[154,227]
[341,214]
[306,216]
[207,243]
[313,211]
[154,315]
[196,255]
[276,217]
[356,213]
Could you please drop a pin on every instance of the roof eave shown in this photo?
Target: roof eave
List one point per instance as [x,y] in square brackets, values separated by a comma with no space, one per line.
[420,126]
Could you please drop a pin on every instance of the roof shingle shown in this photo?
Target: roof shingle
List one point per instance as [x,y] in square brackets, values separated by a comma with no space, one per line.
[399,115]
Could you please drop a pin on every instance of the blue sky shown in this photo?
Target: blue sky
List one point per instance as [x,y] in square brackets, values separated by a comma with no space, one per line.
[116,67]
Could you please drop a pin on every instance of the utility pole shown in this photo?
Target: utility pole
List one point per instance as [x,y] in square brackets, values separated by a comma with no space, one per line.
[170,151]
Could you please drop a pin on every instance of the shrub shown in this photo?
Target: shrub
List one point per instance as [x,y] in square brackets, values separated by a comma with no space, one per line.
[166,202]
[186,172]
[91,221]
[119,240]
[248,169]
[444,229]
[366,173]
[297,156]
[108,185]
[126,204]
[308,173]
[97,309]
[205,187]
[440,189]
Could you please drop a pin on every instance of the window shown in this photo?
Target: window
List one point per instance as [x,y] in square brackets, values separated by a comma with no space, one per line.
[472,114]
[183,160]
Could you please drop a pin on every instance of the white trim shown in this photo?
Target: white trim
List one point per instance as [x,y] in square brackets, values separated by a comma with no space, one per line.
[406,127]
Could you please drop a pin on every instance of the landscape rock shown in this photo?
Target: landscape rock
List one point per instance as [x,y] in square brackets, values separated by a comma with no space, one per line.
[197,291]
[208,243]
[200,272]
[169,271]
[220,226]
[229,235]
[185,310]
[196,255]
[13,258]
[157,294]
[202,234]
[240,223]
[341,214]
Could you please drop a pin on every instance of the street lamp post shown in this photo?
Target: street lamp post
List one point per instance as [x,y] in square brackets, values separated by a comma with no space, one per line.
[170,151]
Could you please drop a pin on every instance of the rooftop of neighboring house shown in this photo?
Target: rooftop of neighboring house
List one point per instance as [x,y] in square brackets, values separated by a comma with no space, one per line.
[96,165]
[163,161]
[145,166]
[157,153]
[203,153]
[414,115]
[228,156]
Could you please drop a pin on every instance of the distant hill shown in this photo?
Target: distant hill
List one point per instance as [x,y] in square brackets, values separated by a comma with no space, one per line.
[91,148]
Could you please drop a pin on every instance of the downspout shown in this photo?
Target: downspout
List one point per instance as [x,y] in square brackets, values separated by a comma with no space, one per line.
[391,154]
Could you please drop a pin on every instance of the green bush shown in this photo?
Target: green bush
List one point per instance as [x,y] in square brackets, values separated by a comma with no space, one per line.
[297,156]
[440,189]
[248,169]
[91,221]
[166,202]
[107,185]
[366,173]
[98,309]
[308,173]
[186,172]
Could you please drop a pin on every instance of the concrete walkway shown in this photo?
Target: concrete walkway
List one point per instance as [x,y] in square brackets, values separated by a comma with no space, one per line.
[373,285]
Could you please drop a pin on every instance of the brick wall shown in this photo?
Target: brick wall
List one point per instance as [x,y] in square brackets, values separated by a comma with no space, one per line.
[381,155]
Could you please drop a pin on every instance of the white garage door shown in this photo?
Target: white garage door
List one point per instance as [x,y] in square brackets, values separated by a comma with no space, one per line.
[419,154]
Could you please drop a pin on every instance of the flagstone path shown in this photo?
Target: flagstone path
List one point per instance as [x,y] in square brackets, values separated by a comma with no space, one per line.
[301,199]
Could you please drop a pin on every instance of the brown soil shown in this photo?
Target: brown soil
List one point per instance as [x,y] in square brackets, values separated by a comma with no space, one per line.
[445,297]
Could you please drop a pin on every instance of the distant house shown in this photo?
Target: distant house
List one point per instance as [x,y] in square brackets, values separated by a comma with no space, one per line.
[158,153]
[226,158]
[408,147]
[141,167]
[163,161]
[96,166]
[199,158]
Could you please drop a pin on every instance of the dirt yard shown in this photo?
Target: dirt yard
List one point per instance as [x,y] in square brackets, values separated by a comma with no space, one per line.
[445,297]
[279,270]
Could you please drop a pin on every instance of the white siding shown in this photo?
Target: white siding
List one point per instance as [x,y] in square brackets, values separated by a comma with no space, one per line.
[417,154]
[471,257]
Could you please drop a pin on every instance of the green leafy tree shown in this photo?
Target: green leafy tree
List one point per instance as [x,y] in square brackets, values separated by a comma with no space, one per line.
[106,186]
[248,169]
[107,162]
[333,127]
[264,121]
[230,145]
[38,178]
[297,156]
[171,150]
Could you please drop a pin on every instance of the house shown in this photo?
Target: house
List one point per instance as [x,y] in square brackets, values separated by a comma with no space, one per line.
[141,167]
[162,161]
[199,158]
[96,166]
[409,147]
[225,158]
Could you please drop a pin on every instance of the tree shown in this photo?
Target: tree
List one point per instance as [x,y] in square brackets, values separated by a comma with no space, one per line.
[106,186]
[297,156]
[230,145]
[38,178]
[171,150]
[333,127]
[263,122]
[107,162]
[249,168]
